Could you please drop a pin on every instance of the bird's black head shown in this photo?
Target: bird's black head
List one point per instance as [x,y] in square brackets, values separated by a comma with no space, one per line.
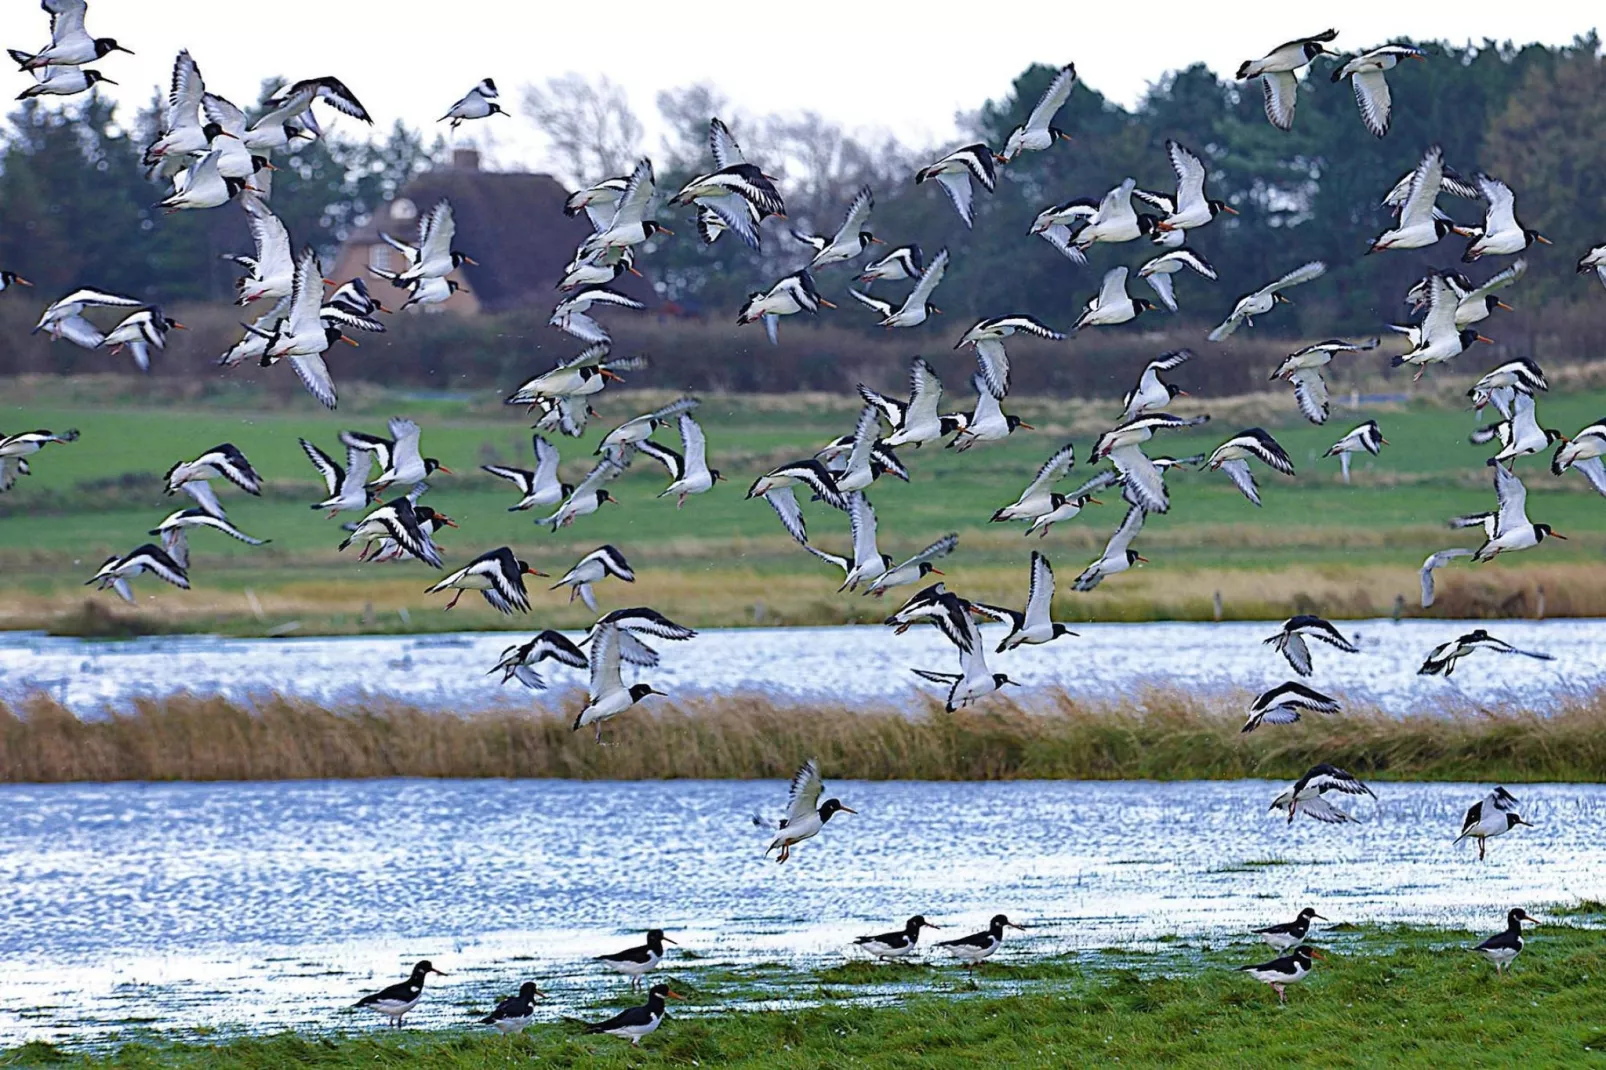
[1314,49]
[833,806]
[1147,223]
[211,131]
[1513,820]
[459,259]
[1217,207]
[926,567]
[8,278]
[1055,500]
[496,109]
[1477,635]
[1308,913]
[658,993]
[1441,227]
[235,185]
[331,334]
[916,923]
[431,464]
[1279,299]
[1059,630]
[1534,236]
[1545,531]
[424,966]
[604,496]
[999,680]
[1000,922]
[1469,336]
[1133,557]
[1304,954]
[656,938]
[1014,421]
[528,990]
[91,77]
[1172,390]
[652,226]
[1140,305]
[259,163]
[641,691]
[104,45]
[1518,914]
[713,474]
[452,286]
[1552,435]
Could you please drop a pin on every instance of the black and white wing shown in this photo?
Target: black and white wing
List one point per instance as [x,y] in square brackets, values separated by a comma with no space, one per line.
[1513,498]
[1242,478]
[1053,99]
[332,474]
[1051,470]
[1040,592]
[1282,92]
[1310,391]
[803,796]
[1190,176]
[722,145]
[1502,211]
[929,278]
[784,502]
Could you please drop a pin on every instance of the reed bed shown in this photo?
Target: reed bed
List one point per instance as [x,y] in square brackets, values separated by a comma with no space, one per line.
[1157,734]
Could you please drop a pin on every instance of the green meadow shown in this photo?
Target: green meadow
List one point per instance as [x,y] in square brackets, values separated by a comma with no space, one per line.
[1349,550]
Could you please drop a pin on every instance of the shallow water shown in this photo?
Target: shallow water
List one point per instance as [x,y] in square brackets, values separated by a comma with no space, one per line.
[838,663]
[272,906]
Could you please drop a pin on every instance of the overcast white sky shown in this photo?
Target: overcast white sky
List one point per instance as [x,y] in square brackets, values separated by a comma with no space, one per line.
[898,66]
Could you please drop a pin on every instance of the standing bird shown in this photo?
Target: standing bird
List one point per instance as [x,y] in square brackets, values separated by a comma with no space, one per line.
[1191,208]
[637,1022]
[1112,304]
[972,949]
[1365,73]
[917,306]
[1276,73]
[515,1012]
[1118,554]
[1420,223]
[477,103]
[593,568]
[904,262]
[634,962]
[1284,703]
[1365,437]
[1280,973]
[899,944]
[223,461]
[1501,233]
[1303,368]
[1037,132]
[805,814]
[496,574]
[1442,659]
[1305,797]
[607,696]
[1032,626]
[1233,457]
[954,173]
[1151,395]
[1494,815]
[1502,948]
[1289,934]
[849,240]
[117,571]
[689,472]
[399,998]
[1265,299]
[1290,641]
[1159,271]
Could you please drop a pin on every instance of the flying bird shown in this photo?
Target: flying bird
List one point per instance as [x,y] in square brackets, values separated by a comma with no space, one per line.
[1290,640]
[1112,305]
[1493,815]
[1265,299]
[1442,659]
[849,240]
[916,307]
[116,571]
[1303,368]
[1038,132]
[1306,796]
[1118,554]
[592,569]
[1367,437]
[1033,625]
[1159,270]
[1501,233]
[954,173]
[477,103]
[1276,73]
[805,814]
[1366,75]
[1233,457]
[496,574]
[1284,703]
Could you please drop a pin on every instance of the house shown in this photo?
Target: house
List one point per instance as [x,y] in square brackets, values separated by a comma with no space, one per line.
[511,223]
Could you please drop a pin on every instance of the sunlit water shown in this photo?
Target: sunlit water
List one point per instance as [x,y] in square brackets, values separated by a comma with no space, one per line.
[842,663]
[272,906]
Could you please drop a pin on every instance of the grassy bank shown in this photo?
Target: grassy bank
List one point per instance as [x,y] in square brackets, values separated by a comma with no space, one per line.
[1383,997]
[1161,735]
[1347,551]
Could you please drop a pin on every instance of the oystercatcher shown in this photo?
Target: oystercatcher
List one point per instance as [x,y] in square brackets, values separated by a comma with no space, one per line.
[1305,797]
[1152,395]
[1303,368]
[1502,948]
[1366,75]
[117,571]
[1276,73]
[1037,132]
[1442,659]
[607,695]
[637,1022]
[803,820]
[633,962]
[899,944]
[1233,456]
[477,103]
[399,998]
[587,497]
[850,239]
[917,307]
[1290,641]
[1366,437]
[1501,233]
[1033,625]
[954,173]
[1284,703]
[1289,934]
[1493,815]
[974,948]
[515,1012]
[496,574]
[1118,554]
[1265,299]
[915,568]
[593,568]
[1159,270]
[1279,973]
[518,662]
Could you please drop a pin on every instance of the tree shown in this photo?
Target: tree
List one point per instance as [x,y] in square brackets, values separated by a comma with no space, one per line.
[590,128]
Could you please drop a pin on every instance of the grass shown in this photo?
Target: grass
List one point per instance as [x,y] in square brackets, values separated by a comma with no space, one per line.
[1382,997]
[1158,734]
[1346,551]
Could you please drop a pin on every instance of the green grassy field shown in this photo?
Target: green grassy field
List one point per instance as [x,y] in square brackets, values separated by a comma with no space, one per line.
[1382,997]
[724,560]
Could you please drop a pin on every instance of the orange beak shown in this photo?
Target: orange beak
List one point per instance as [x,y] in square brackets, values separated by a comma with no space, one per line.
[349,342]
[606,374]
[1543,240]
[1501,304]
[1145,560]
[443,468]
[1229,209]
[20,281]
[471,260]
[636,273]
[672,993]
[1094,501]
[1026,425]
[1481,338]
[448,521]
[939,572]
[179,326]
[826,303]
[538,572]
[1558,535]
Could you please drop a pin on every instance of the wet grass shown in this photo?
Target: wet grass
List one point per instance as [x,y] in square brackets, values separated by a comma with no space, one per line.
[1157,734]
[1346,551]
[1382,997]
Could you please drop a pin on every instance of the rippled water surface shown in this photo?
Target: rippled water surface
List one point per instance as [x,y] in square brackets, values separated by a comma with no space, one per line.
[845,663]
[269,906]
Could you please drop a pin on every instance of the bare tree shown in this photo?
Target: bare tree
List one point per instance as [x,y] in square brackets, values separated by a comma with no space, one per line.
[591,131]
[686,112]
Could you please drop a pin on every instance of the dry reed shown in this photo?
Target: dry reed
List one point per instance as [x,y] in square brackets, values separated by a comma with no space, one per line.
[1158,734]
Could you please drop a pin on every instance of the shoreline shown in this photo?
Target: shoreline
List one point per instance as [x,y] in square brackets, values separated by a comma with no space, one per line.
[1385,994]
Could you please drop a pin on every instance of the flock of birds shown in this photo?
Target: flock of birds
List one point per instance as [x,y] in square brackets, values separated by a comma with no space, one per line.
[214,155]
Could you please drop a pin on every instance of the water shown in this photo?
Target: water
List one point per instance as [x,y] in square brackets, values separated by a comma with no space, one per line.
[273,906]
[840,663]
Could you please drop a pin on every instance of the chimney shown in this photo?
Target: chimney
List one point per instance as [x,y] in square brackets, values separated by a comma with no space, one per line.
[465,160]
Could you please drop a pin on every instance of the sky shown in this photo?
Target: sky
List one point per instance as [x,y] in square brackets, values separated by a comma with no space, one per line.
[897,67]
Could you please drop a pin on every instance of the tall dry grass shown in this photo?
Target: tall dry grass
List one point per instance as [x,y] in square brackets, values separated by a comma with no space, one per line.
[1158,734]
